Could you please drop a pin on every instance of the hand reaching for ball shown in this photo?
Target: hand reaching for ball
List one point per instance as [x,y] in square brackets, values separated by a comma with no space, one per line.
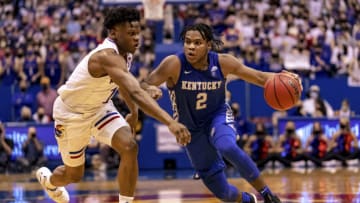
[283,91]
[296,76]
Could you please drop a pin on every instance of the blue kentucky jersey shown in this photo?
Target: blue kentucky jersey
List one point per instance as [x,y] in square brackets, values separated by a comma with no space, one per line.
[199,95]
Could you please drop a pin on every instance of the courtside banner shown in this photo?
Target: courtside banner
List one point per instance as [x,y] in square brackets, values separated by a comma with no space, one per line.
[45,133]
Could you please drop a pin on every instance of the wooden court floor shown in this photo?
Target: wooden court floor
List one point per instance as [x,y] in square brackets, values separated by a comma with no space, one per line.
[292,185]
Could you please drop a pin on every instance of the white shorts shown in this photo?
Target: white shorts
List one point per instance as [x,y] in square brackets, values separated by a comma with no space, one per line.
[74,130]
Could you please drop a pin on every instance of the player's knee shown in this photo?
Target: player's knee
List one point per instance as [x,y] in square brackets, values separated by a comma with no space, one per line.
[124,142]
[228,148]
[132,147]
[128,147]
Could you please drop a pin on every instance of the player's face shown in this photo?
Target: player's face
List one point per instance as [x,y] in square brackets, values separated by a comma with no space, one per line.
[195,47]
[126,36]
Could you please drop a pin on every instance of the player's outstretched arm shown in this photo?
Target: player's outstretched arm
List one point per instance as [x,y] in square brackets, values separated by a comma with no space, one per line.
[231,65]
[132,117]
[115,66]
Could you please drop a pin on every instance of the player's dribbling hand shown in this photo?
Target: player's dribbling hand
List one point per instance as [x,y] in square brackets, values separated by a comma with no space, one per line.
[154,92]
[181,133]
[294,75]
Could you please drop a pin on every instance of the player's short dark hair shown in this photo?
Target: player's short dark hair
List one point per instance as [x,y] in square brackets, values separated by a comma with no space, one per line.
[206,32]
[119,15]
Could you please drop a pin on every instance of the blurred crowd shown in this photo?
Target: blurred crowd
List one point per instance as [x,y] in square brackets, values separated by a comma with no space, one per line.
[319,149]
[41,41]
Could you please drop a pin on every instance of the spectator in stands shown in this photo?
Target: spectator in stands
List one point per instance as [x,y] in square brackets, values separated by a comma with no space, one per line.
[40,116]
[320,56]
[251,58]
[314,105]
[276,63]
[298,110]
[25,115]
[317,144]
[46,97]
[19,62]
[231,37]
[8,72]
[345,110]
[342,56]
[98,167]
[32,66]
[320,109]
[354,69]
[22,97]
[298,59]
[53,68]
[109,156]
[33,151]
[344,143]
[6,148]
[147,47]
[93,148]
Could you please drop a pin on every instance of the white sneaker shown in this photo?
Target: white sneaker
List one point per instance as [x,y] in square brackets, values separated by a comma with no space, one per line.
[59,194]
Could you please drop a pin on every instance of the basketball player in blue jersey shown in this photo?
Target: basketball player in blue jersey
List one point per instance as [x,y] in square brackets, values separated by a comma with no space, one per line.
[196,79]
[84,108]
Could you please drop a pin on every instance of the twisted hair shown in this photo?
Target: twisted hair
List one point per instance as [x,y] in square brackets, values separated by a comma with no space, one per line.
[120,15]
[206,32]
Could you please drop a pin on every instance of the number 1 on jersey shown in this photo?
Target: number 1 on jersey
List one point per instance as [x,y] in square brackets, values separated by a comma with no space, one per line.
[201,101]
[113,92]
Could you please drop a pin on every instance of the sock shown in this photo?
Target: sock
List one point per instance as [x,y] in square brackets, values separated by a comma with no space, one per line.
[246,198]
[265,192]
[125,199]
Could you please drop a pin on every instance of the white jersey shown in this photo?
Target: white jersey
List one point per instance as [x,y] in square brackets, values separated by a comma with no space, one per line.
[84,93]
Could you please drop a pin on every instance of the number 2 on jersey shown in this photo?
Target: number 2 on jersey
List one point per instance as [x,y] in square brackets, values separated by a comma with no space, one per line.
[201,99]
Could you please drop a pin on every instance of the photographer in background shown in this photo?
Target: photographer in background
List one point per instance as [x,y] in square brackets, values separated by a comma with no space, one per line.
[33,152]
[6,148]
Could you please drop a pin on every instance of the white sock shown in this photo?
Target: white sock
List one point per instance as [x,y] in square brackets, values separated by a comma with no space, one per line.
[125,199]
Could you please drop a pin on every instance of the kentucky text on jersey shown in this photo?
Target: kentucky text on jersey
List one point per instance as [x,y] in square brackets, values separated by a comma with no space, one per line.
[190,85]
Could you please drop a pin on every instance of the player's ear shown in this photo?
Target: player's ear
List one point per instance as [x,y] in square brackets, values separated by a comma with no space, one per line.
[111,33]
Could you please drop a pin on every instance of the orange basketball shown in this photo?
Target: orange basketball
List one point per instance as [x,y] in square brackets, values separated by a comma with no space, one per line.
[282,91]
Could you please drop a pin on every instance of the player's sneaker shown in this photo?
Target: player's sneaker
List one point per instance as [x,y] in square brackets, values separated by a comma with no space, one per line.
[196,176]
[253,198]
[58,194]
[271,199]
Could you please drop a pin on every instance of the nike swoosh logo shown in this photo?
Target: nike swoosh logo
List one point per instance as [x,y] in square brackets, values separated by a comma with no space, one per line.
[187,72]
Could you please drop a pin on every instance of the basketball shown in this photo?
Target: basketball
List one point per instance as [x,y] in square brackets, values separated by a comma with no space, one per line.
[282,91]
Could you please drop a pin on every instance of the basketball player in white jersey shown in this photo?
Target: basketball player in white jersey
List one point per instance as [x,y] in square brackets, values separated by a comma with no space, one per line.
[84,108]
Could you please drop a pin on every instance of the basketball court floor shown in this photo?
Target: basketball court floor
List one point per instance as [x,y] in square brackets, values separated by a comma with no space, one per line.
[340,185]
